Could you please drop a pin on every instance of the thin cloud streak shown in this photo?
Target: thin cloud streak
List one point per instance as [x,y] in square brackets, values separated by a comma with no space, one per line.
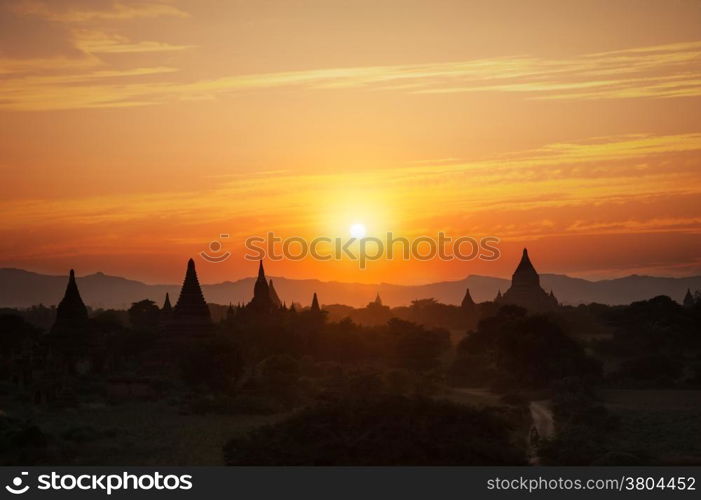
[664,71]
[610,173]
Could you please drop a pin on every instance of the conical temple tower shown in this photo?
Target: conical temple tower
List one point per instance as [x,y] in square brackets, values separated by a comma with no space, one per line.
[191,314]
[525,290]
[688,299]
[315,304]
[467,304]
[71,313]
[167,309]
[261,301]
[469,309]
[71,340]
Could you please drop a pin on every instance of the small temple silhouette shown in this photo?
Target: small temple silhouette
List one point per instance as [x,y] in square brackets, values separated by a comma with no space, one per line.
[315,304]
[468,305]
[71,338]
[689,300]
[71,313]
[166,312]
[167,308]
[525,290]
[265,298]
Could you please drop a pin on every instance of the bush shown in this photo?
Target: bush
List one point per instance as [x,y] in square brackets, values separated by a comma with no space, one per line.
[215,364]
[381,430]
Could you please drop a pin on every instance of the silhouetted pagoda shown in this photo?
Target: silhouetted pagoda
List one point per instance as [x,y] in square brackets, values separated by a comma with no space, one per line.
[71,313]
[191,315]
[315,304]
[467,304]
[376,304]
[70,341]
[525,290]
[688,299]
[167,309]
[262,301]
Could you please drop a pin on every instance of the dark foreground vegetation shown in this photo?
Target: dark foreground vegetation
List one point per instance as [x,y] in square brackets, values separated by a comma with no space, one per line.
[384,430]
[293,387]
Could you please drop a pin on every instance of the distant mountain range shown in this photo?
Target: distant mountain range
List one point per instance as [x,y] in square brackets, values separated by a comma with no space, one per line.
[19,288]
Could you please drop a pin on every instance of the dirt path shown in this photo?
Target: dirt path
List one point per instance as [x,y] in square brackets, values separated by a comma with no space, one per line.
[543,428]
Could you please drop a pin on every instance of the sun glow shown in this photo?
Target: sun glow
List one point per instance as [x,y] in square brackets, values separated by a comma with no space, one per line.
[358,230]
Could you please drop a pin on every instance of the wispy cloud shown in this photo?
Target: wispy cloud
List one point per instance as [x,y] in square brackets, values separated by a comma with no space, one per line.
[664,71]
[65,12]
[556,188]
[97,42]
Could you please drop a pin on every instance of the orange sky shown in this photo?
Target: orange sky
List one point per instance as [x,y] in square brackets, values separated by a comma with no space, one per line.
[133,133]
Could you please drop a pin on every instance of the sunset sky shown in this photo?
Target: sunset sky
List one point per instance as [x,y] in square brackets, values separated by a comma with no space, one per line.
[133,133]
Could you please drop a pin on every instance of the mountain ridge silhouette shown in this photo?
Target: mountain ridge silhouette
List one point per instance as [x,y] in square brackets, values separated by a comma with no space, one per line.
[21,288]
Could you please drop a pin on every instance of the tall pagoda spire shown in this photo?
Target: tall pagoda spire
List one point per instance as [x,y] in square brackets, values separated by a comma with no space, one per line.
[525,290]
[71,313]
[167,308]
[315,304]
[525,273]
[262,300]
[467,303]
[191,314]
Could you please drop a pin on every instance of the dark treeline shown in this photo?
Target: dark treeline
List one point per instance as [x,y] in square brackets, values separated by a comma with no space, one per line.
[378,382]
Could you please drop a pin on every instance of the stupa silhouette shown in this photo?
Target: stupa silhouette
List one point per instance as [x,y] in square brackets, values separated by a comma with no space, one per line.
[315,304]
[191,315]
[265,298]
[71,339]
[71,313]
[525,290]
[467,304]
[688,299]
[167,308]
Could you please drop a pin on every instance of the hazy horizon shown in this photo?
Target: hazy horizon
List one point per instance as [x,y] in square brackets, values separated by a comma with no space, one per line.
[177,279]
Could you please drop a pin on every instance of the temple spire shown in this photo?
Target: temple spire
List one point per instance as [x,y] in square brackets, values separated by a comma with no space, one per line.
[167,308]
[688,298]
[525,274]
[262,300]
[71,313]
[191,311]
[467,302]
[525,290]
[315,304]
